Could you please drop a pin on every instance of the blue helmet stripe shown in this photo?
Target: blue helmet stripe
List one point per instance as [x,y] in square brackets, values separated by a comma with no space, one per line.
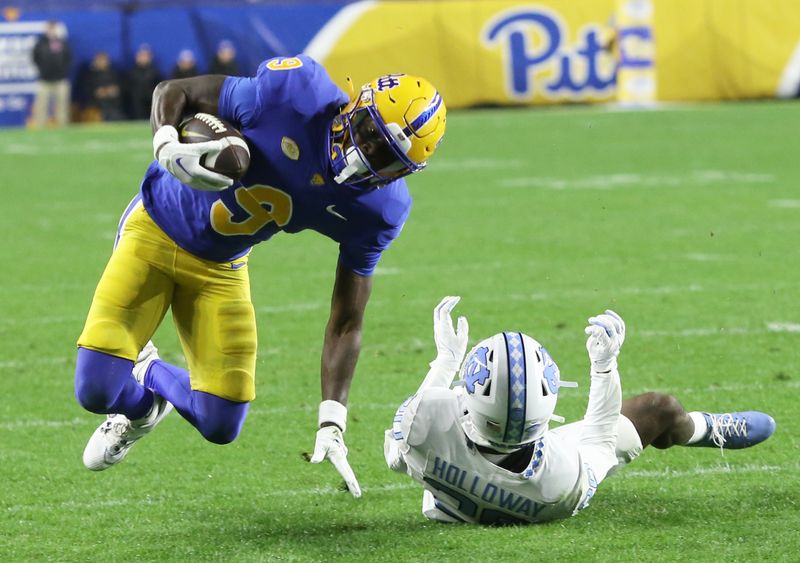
[425,116]
[517,388]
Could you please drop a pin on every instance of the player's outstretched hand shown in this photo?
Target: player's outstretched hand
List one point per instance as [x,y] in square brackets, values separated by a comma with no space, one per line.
[606,334]
[451,343]
[182,160]
[330,444]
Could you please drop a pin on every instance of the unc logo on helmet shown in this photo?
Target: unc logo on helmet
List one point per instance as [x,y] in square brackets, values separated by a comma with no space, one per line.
[476,369]
[520,384]
[551,371]
[389,130]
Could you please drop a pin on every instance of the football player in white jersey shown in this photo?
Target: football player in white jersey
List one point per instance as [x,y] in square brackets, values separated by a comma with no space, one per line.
[483,451]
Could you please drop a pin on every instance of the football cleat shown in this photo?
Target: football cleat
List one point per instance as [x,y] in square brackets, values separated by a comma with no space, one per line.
[114,438]
[736,430]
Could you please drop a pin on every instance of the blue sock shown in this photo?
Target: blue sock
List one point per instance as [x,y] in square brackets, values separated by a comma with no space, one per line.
[105,384]
[218,420]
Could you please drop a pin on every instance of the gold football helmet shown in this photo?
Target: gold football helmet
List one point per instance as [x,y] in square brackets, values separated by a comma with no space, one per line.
[390,129]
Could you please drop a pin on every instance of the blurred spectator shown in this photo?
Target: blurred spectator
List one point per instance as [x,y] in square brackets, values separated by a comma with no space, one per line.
[102,88]
[141,81]
[52,57]
[186,66]
[225,60]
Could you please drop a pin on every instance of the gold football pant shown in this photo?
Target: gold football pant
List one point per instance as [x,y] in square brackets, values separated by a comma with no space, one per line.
[211,307]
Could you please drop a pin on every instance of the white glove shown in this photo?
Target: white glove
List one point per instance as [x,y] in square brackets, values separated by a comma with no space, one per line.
[451,344]
[606,336]
[330,443]
[391,452]
[182,160]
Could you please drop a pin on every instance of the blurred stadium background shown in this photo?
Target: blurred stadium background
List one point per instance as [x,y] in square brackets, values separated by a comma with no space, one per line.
[477,52]
[660,179]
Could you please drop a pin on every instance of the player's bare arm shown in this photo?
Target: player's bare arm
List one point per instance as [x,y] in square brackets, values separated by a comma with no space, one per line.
[173,99]
[339,356]
[343,333]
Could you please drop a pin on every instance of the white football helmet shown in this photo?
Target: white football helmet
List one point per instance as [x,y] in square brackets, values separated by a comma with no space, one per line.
[510,391]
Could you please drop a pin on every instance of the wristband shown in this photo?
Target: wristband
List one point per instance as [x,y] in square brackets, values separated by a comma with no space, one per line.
[603,368]
[333,412]
[165,134]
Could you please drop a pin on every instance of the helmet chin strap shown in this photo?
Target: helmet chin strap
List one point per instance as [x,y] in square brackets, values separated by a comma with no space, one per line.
[353,165]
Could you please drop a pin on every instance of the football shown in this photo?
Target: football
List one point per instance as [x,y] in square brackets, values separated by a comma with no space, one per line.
[233,160]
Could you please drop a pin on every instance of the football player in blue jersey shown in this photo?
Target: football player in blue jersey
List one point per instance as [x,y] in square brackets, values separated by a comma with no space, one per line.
[319,160]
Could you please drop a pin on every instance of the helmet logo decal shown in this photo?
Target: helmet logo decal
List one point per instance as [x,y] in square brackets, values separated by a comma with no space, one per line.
[388,82]
[476,369]
[551,371]
[517,388]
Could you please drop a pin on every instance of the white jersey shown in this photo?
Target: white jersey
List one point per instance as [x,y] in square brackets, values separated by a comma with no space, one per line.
[553,478]
[469,487]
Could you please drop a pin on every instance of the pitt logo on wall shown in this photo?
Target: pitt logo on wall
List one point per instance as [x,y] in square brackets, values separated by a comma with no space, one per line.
[540,60]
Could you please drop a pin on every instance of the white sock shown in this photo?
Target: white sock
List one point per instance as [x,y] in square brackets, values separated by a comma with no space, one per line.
[700,427]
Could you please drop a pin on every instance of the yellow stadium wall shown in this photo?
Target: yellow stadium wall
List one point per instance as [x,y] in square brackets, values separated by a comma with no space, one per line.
[703,49]
[724,49]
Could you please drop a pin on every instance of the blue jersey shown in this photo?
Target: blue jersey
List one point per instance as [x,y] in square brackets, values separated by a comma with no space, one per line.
[284,112]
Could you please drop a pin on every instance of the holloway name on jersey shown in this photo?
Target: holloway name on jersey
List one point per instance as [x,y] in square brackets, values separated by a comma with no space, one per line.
[428,443]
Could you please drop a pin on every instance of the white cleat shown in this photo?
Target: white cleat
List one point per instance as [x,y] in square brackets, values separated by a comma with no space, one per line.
[114,438]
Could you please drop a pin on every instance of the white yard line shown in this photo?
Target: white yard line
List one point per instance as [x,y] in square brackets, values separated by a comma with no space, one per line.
[389,407]
[40,423]
[784,203]
[635,180]
[668,473]
[783,327]
[450,165]
[770,327]
[663,474]
[81,148]
[46,361]
[702,257]
[11,321]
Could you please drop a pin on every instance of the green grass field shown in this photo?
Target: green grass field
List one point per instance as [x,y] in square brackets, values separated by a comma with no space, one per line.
[684,220]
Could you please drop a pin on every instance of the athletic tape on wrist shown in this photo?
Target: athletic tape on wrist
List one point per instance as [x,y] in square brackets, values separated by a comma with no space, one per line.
[333,411]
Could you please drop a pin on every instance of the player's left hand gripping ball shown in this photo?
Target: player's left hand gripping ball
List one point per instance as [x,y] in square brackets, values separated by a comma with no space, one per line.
[330,443]
[209,154]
